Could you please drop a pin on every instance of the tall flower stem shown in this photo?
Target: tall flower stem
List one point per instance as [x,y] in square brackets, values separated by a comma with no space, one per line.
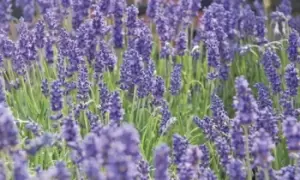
[248,165]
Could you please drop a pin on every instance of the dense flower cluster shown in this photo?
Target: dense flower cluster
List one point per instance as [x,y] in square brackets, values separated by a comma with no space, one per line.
[96,90]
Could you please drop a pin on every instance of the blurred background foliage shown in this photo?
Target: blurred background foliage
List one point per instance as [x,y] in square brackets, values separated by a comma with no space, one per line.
[17,12]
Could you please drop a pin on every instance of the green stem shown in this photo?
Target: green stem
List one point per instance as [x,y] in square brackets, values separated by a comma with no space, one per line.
[248,166]
[266,174]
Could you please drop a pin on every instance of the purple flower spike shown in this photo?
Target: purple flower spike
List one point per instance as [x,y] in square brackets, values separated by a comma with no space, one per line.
[176,81]
[291,79]
[293,46]
[116,111]
[8,129]
[244,102]
[236,170]
[180,145]
[261,149]
[161,162]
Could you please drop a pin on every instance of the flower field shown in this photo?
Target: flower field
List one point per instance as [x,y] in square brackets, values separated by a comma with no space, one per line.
[92,90]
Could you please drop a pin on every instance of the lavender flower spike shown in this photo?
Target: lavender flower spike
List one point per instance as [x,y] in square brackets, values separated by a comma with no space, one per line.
[244,102]
[161,162]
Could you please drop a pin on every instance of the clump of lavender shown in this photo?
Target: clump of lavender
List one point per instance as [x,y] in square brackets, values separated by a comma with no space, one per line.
[176,81]
[292,79]
[244,102]
[8,129]
[116,111]
[261,149]
[161,162]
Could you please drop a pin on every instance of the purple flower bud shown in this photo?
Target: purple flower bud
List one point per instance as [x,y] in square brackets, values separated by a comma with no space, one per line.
[291,79]
[244,102]
[205,158]
[162,28]
[8,128]
[45,88]
[287,172]
[116,111]
[176,81]
[83,84]
[268,122]
[70,130]
[261,149]
[206,125]
[271,62]
[291,130]
[39,34]
[49,51]
[285,7]
[180,145]
[119,7]
[38,143]
[189,166]
[223,150]
[293,46]
[91,169]
[166,118]
[34,128]
[237,140]
[264,97]
[132,70]
[181,43]
[236,170]
[152,9]
[161,162]
[207,174]
[159,88]
[20,169]
[104,98]
[143,169]
[8,48]
[56,96]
